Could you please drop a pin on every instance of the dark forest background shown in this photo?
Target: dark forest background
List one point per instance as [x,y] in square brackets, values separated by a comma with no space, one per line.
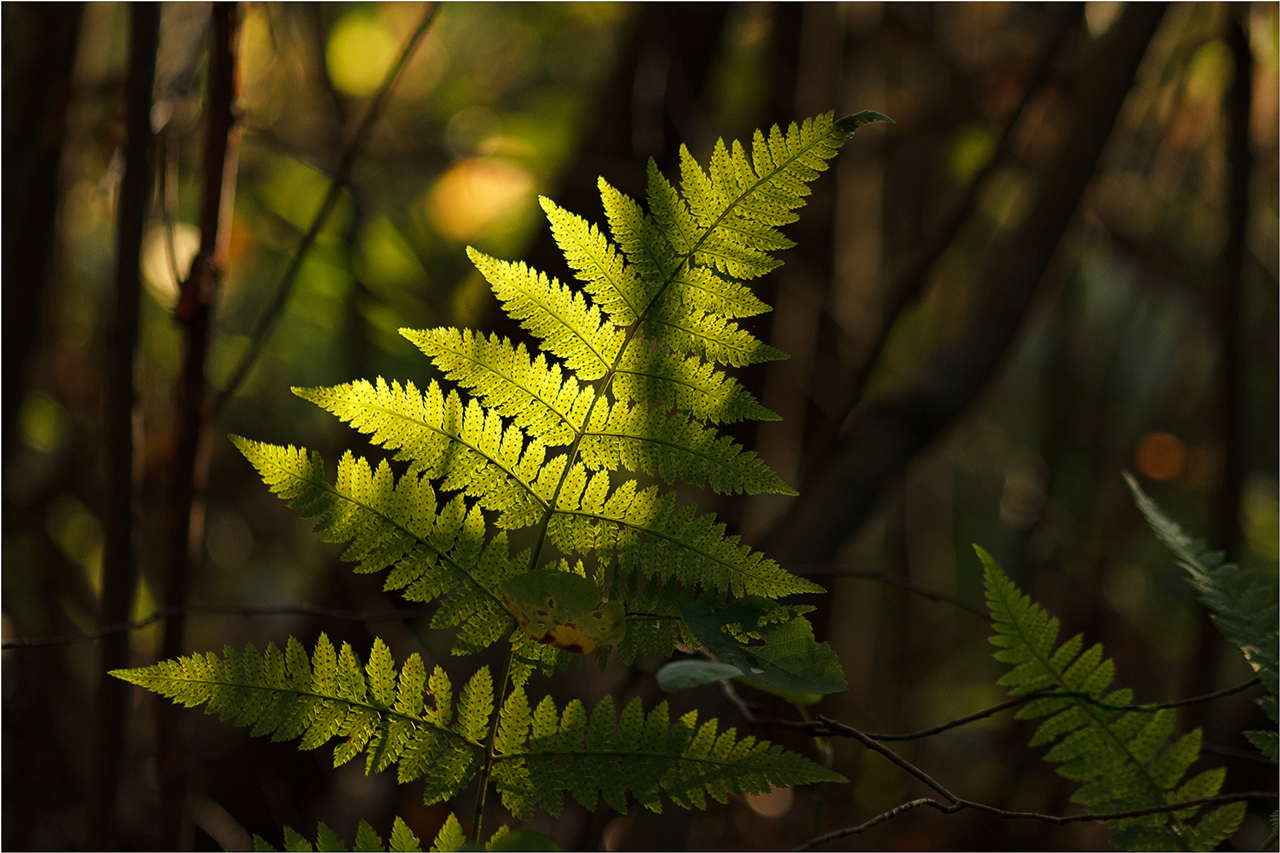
[997,305]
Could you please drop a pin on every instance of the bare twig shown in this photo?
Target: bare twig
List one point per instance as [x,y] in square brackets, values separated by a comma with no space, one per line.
[340,178]
[905,287]
[956,803]
[824,727]
[842,489]
[225,610]
[835,570]
[119,568]
[959,805]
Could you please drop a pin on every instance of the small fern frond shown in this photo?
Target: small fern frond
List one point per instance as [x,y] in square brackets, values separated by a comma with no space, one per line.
[285,695]
[675,450]
[1122,758]
[401,840]
[1243,602]
[688,384]
[542,753]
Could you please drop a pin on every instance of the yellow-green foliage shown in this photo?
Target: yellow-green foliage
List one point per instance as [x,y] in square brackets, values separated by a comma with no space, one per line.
[563,447]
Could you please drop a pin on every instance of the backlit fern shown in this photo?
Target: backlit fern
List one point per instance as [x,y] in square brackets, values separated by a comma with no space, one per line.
[1122,757]
[531,466]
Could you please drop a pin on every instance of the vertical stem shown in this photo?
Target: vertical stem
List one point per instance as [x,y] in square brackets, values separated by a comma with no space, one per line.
[1238,108]
[119,571]
[488,751]
[190,460]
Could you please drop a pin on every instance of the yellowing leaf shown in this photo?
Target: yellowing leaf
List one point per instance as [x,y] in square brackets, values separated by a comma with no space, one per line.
[564,610]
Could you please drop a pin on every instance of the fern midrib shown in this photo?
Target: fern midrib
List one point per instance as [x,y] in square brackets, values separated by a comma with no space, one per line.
[354,703]
[534,394]
[588,753]
[651,532]
[1090,709]
[528,487]
[444,558]
[607,380]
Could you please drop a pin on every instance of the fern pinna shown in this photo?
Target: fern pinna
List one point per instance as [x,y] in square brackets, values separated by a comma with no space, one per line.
[531,510]
[1121,756]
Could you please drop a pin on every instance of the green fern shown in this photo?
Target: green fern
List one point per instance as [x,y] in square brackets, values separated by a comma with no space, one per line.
[540,753]
[1123,758]
[367,839]
[1243,604]
[568,452]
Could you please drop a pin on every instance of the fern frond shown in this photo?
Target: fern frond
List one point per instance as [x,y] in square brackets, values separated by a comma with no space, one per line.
[674,449]
[402,839]
[1122,758]
[688,384]
[1243,602]
[285,695]
[542,753]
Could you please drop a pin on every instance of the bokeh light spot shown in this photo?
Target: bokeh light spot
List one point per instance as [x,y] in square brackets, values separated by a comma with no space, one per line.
[476,195]
[359,54]
[45,423]
[158,265]
[1161,456]
[774,804]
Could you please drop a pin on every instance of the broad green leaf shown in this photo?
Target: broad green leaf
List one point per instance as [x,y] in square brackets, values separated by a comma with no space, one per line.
[686,674]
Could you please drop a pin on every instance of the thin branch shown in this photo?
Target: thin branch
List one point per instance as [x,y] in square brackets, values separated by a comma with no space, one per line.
[1058,820]
[957,804]
[226,610]
[823,727]
[843,487]
[340,178]
[834,570]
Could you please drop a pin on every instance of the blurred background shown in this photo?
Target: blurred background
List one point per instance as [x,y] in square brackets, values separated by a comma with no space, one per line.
[1146,341]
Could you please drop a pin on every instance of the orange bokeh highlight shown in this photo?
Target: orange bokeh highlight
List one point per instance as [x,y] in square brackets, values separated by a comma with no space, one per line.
[1161,456]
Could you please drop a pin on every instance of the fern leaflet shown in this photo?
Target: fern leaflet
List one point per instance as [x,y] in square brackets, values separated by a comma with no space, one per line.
[1122,758]
[542,752]
[285,695]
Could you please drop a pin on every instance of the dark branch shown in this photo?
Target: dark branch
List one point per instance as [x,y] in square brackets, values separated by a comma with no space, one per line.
[959,805]
[340,178]
[834,570]
[905,287]
[843,488]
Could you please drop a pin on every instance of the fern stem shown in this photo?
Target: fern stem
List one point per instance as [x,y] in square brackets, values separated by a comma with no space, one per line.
[487,767]
[607,380]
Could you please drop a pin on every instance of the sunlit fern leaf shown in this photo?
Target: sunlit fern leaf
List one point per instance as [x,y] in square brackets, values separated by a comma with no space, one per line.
[469,449]
[540,397]
[621,380]
[543,754]
[333,695]
[568,326]
[1122,757]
